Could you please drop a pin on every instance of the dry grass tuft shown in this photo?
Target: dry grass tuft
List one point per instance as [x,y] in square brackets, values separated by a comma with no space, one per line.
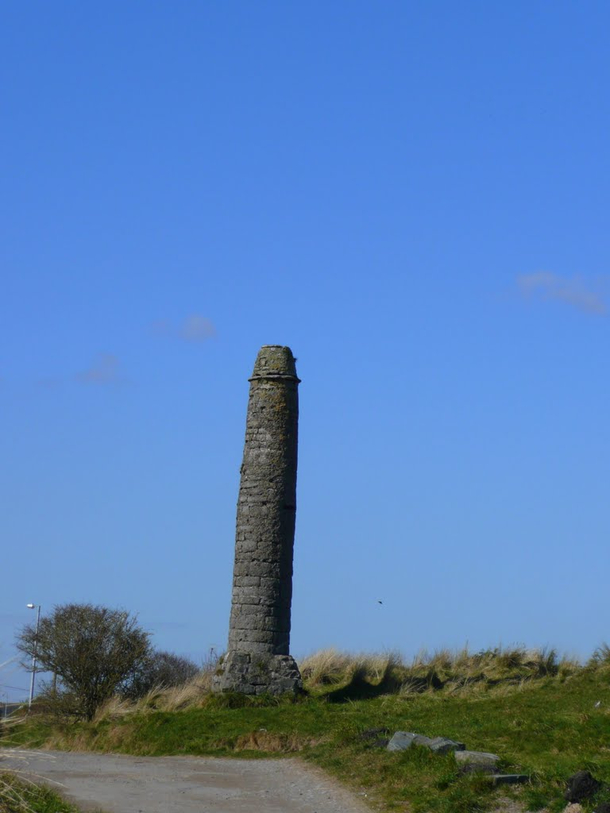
[600,658]
[20,793]
[326,667]
[274,743]
[344,676]
[69,741]
[190,694]
[452,671]
[113,709]
[330,667]
[12,796]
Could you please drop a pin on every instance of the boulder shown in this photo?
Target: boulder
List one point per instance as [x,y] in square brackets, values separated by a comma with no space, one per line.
[574,807]
[476,758]
[401,741]
[581,786]
[443,745]
[423,741]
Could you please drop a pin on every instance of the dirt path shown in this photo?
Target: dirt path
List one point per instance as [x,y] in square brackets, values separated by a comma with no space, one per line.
[125,784]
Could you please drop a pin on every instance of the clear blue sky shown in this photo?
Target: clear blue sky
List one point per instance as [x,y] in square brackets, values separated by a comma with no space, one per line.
[414,196]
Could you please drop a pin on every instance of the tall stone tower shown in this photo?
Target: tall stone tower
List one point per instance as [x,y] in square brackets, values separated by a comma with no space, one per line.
[258,659]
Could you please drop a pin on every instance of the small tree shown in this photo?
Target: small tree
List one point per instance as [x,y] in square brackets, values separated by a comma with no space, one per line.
[93,651]
[162,670]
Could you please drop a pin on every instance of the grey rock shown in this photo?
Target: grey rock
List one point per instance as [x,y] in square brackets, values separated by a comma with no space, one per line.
[258,674]
[442,745]
[476,758]
[402,740]
[439,745]
[422,741]
[509,778]
[581,785]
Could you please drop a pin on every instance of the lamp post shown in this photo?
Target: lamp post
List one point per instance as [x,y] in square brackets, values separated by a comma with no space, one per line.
[33,607]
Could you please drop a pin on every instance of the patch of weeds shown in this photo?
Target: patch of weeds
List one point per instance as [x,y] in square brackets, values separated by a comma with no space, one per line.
[445,780]
[469,795]
[236,700]
[17,796]
[601,797]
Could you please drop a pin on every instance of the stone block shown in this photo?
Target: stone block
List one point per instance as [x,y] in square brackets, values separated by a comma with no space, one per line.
[443,745]
[247,581]
[509,778]
[476,757]
[438,745]
[469,768]
[401,740]
[258,674]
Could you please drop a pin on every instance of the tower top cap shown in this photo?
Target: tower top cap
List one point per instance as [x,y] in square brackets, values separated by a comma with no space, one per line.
[275,361]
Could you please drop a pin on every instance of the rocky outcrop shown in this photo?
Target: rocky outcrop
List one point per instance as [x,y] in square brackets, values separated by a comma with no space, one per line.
[469,761]
[581,786]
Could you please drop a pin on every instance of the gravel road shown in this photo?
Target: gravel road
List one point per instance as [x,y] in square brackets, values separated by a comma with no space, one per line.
[123,784]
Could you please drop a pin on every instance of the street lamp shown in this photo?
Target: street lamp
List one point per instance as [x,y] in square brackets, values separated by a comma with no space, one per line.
[33,607]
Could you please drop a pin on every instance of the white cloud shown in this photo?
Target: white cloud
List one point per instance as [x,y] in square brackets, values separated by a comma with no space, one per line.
[546,286]
[195,328]
[105,370]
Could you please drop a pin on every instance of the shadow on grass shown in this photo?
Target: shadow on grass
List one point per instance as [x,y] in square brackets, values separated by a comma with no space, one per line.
[359,688]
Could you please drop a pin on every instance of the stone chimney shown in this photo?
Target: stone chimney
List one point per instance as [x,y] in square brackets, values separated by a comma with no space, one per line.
[258,658]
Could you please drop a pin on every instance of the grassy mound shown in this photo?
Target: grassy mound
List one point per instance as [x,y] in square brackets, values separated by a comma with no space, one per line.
[544,716]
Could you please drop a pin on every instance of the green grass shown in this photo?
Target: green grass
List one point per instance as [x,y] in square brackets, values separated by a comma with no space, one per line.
[17,796]
[548,728]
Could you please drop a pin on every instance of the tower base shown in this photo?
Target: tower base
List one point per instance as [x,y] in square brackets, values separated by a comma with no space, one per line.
[254,673]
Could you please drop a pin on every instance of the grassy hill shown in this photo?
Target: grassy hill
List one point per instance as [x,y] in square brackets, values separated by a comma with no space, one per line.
[544,717]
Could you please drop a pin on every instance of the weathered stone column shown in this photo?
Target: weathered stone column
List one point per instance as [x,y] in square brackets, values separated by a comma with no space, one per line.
[258,658]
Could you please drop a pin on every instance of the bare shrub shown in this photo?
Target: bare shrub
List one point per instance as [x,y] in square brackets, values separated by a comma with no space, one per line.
[160,670]
[93,652]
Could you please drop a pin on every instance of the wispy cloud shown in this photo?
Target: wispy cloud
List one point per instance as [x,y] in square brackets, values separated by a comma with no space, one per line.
[547,286]
[104,370]
[195,328]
